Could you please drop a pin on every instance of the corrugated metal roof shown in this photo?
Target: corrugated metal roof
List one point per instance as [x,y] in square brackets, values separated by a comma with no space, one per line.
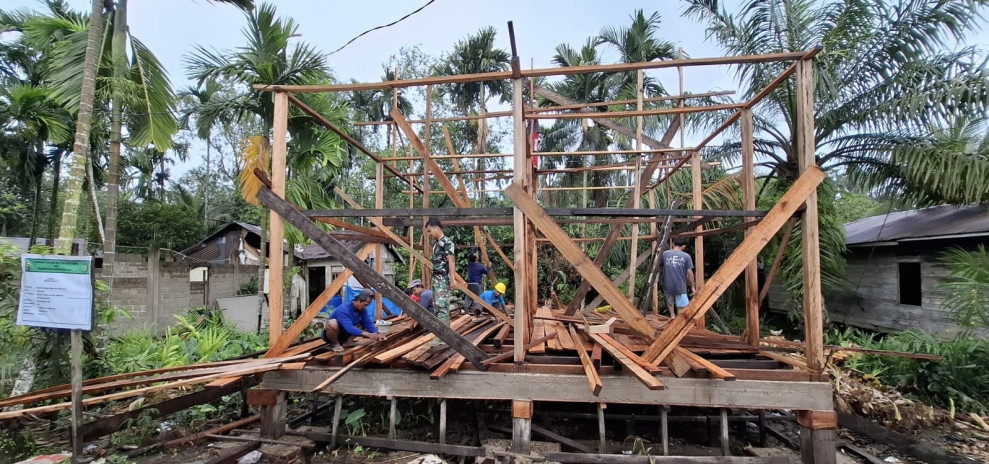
[927,223]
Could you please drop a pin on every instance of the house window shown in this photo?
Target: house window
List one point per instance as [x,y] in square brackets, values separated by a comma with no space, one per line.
[910,293]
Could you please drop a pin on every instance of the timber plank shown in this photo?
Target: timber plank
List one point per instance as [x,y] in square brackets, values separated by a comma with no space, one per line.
[633,367]
[593,379]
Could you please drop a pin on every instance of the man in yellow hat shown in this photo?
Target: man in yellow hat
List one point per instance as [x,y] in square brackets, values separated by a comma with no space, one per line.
[495,297]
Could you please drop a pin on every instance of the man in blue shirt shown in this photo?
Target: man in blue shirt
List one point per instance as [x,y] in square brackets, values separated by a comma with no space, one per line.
[351,320]
[496,297]
[475,278]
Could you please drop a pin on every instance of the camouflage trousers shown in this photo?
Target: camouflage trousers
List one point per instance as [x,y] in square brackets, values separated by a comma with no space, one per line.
[441,298]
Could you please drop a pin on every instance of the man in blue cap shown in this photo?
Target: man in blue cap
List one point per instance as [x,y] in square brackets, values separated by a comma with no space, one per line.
[351,320]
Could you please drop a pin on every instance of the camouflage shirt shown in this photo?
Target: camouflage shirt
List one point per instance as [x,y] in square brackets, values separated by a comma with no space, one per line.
[441,249]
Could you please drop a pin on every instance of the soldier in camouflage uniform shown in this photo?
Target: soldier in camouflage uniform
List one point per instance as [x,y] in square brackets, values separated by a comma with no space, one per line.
[444,269]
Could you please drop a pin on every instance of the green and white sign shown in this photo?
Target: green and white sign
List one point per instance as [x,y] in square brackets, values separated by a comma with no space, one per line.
[56,292]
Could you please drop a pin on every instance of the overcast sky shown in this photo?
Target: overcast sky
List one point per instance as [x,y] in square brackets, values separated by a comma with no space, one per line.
[171,28]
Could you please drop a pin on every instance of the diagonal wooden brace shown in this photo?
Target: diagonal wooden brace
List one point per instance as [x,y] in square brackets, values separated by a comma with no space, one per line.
[591,273]
[745,252]
[367,274]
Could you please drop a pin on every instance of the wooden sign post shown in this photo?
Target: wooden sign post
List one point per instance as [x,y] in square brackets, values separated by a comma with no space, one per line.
[57,293]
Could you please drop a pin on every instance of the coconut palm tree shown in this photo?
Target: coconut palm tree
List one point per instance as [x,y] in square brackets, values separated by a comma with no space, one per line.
[887,81]
[269,58]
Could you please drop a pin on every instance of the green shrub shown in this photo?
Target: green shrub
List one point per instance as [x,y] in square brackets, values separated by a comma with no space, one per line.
[960,377]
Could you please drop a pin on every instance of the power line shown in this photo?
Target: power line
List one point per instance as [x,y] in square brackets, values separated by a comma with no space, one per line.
[430,2]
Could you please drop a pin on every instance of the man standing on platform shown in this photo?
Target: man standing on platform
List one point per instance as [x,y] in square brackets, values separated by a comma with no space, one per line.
[475,278]
[444,270]
[678,274]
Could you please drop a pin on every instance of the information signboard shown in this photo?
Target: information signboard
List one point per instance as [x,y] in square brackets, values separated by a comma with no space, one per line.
[56,292]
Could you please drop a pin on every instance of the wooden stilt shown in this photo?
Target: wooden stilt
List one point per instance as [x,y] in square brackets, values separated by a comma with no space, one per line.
[521,426]
[725,448]
[664,430]
[273,417]
[603,442]
[762,427]
[817,436]
[279,152]
[335,426]
[443,421]
[392,417]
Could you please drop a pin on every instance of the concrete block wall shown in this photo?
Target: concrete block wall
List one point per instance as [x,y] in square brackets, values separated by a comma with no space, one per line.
[153,292]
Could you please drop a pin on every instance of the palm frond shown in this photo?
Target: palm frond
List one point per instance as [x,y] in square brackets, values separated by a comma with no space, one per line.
[255,154]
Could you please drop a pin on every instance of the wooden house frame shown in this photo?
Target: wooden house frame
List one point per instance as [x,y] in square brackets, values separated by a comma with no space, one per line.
[803,389]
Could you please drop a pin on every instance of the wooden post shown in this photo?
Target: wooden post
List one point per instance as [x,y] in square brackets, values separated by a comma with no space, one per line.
[279,152]
[379,250]
[637,188]
[805,144]
[748,192]
[76,361]
[522,277]
[392,418]
[521,426]
[443,421]
[725,449]
[664,430]
[602,437]
[273,416]
[337,409]
[427,251]
[818,430]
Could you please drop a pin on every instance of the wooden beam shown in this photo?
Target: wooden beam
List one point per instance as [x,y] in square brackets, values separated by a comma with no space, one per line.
[636,190]
[748,193]
[300,324]
[636,113]
[577,106]
[750,247]
[805,144]
[583,458]
[713,369]
[539,72]
[371,278]
[579,260]
[344,135]
[628,363]
[648,213]
[593,379]
[276,245]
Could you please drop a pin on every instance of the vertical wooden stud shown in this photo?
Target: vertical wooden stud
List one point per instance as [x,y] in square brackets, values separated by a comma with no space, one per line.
[427,251]
[748,193]
[805,143]
[521,263]
[637,186]
[276,246]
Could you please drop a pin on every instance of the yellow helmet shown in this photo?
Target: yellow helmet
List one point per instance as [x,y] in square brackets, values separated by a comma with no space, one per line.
[500,287]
